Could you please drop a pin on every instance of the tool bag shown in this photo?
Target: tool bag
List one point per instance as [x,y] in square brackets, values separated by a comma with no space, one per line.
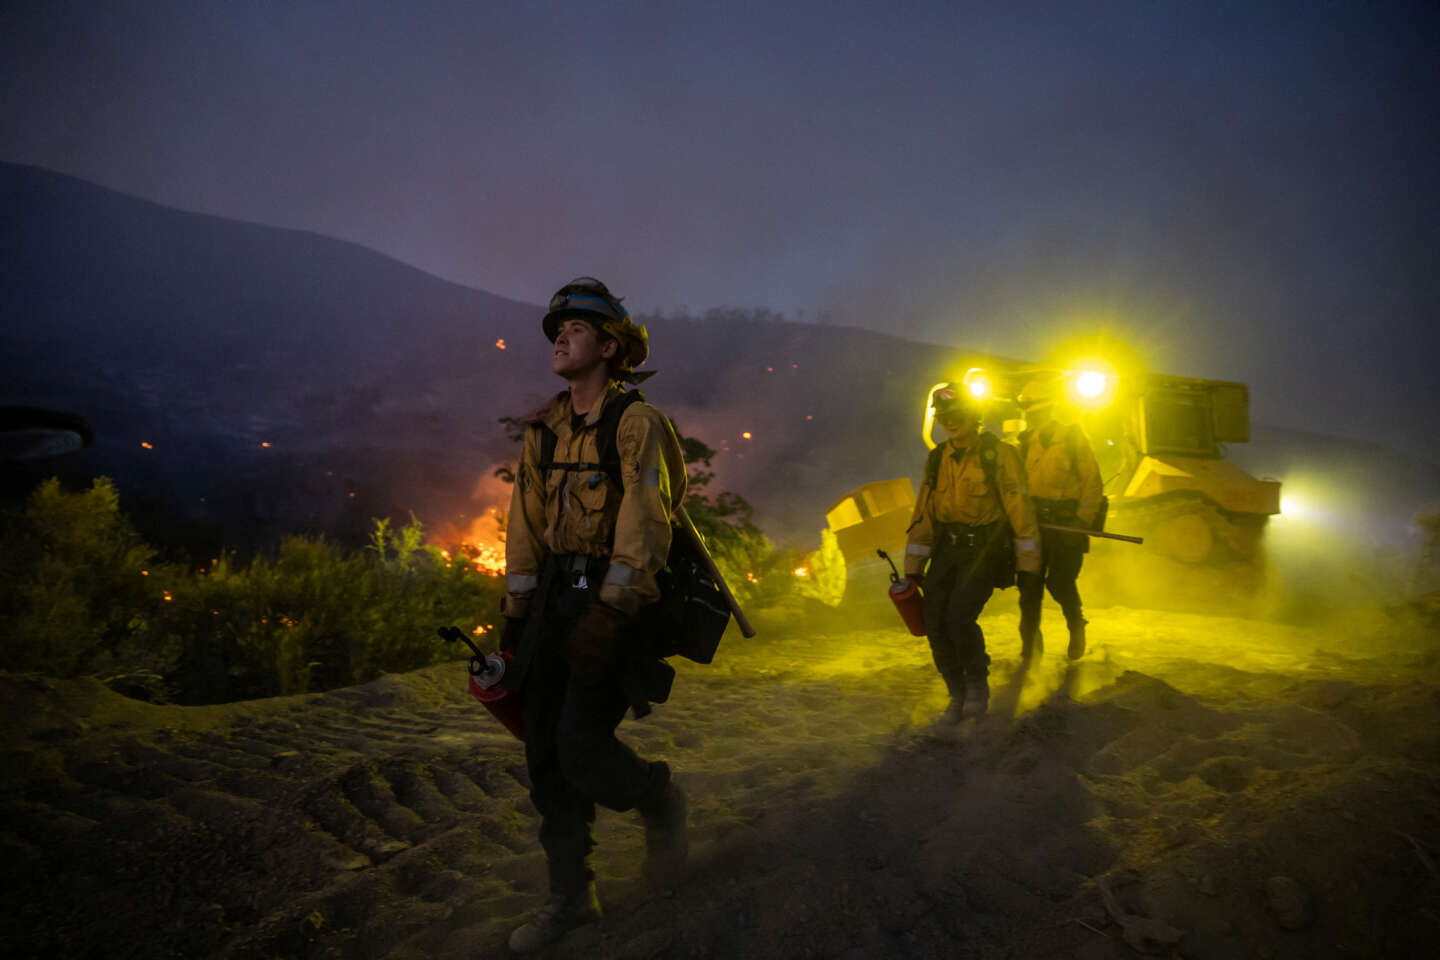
[691,614]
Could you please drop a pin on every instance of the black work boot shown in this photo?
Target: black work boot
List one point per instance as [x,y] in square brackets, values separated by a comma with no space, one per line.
[954,712]
[667,840]
[977,697]
[1077,638]
[566,910]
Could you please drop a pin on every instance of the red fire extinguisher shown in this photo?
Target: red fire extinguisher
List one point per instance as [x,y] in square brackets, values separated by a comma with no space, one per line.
[486,672]
[507,706]
[906,597]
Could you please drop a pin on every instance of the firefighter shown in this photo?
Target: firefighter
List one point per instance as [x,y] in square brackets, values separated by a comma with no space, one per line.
[1065,484]
[974,527]
[582,549]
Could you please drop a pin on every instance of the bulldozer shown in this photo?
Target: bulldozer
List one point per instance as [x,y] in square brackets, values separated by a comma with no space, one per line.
[1161,444]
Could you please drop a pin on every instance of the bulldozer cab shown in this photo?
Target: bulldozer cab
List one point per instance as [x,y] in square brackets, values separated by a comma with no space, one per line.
[1190,418]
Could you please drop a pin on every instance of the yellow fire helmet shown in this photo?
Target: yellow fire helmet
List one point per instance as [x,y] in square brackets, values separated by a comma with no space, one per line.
[1037,394]
[590,300]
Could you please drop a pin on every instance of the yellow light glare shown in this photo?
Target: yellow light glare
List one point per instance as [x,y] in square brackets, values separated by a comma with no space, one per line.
[1091,384]
[979,388]
[1290,507]
[927,425]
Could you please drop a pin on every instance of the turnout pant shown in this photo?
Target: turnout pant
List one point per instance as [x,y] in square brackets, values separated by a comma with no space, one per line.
[571,752]
[957,586]
[1063,553]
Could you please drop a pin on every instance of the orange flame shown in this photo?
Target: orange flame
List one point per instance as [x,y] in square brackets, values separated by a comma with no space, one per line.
[147,445]
[481,543]
[500,344]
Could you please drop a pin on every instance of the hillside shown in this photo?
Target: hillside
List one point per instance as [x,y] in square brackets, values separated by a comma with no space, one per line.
[377,387]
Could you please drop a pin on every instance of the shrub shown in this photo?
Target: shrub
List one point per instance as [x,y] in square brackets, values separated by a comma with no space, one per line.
[81,593]
[73,581]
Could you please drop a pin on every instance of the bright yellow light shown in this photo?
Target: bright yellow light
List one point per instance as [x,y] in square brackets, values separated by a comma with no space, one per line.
[977,383]
[927,426]
[801,571]
[745,435]
[1290,507]
[1091,384]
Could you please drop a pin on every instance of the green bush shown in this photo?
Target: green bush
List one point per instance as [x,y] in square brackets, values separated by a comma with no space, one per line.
[73,577]
[82,594]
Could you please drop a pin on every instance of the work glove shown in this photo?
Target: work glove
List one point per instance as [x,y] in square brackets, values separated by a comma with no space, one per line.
[595,638]
[510,636]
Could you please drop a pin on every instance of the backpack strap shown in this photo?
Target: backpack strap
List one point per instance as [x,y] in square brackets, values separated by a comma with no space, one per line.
[989,445]
[932,466]
[605,443]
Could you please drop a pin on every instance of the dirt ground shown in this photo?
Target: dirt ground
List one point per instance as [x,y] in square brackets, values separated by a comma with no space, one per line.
[1195,787]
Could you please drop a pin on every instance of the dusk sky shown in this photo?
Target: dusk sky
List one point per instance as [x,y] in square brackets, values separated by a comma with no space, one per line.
[1247,191]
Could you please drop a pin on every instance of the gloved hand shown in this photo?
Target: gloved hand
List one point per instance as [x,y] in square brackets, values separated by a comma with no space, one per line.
[510,636]
[595,638]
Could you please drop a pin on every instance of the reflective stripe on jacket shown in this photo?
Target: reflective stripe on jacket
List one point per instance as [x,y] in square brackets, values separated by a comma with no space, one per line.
[573,511]
[1059,465]
[962,494]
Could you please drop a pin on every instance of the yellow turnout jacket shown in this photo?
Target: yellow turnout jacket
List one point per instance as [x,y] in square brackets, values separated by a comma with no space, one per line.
[962,494]
[570,511]
[1059,465]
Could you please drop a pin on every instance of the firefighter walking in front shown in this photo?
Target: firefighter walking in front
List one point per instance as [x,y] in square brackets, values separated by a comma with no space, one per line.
[588,530]
[973,528]
[1066,487]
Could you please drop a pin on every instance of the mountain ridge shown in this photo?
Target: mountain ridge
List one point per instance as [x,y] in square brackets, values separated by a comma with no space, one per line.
[207,337]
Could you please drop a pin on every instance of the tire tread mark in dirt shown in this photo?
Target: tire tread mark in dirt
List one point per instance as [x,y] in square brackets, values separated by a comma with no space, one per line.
[370,793]
[414,787]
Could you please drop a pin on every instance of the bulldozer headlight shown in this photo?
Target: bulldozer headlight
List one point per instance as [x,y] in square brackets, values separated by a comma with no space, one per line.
[1091,384]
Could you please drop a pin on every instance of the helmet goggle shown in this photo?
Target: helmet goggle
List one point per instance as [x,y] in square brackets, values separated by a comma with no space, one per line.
[584,295]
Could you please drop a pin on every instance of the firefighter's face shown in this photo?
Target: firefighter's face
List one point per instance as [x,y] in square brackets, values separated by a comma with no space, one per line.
[579,348]
[960,418]
[959,423]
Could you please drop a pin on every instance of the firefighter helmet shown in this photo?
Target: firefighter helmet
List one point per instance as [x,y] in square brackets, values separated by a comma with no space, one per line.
[954,400]
[1037,394]
[586,298]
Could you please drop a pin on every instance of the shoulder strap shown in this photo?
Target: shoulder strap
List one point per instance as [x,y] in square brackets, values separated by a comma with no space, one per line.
[607,430]
[605,445]
[988,454]
[547,446]
[932,466]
